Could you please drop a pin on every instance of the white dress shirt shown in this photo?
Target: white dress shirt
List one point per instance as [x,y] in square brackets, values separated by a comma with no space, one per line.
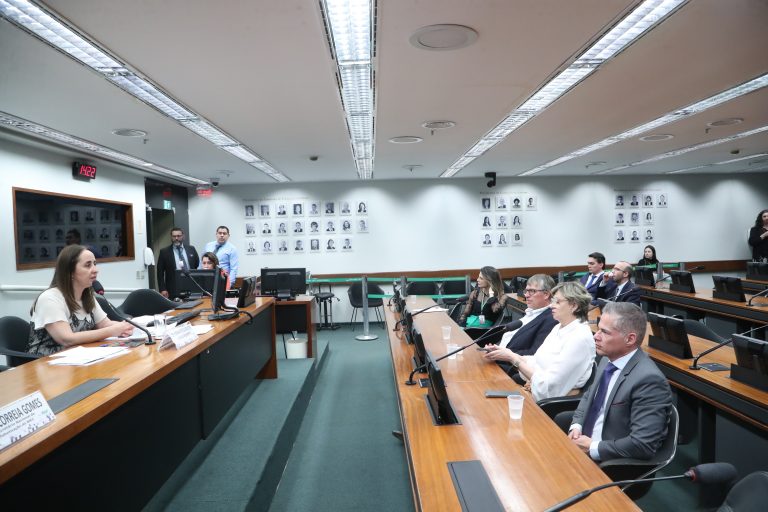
[530,314]
[563,362]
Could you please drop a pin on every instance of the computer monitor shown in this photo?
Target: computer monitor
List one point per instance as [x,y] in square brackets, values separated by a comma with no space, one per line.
[283,283]
[757,270]
[245,295]
[419,350]
[751,361]
[219,292]
[668,334]
[728,288]
[644,276]
[398,301]
[682,281]
[190,282]
[408,326]
[437,396]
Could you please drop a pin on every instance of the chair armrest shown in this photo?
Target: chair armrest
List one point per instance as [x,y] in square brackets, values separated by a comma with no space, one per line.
[627,462]
[555,405]
[16,353]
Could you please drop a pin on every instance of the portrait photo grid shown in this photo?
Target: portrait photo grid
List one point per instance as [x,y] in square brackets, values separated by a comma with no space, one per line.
[634,215]
[502,218]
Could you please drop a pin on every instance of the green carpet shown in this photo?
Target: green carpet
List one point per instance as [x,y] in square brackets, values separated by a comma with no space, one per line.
[345,457]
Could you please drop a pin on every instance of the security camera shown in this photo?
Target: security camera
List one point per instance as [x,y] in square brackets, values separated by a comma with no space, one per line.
[215,183]
[491,179]
[735,151]
[313,158]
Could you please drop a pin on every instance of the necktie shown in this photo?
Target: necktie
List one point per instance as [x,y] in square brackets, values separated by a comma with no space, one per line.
[597,403]
[181,256]
[589,280]
[216,250]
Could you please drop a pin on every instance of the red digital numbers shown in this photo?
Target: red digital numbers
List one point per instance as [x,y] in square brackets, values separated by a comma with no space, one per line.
[87,171]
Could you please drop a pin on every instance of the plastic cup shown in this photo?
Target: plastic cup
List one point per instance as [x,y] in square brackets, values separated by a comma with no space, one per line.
[446,332]
[159,329]
[515,403]
[451,347]
[412,299]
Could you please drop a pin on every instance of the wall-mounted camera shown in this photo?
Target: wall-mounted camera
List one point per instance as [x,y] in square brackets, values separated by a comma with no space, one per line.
[491,179]
[215,183]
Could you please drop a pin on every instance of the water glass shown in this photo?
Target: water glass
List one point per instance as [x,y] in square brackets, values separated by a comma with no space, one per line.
[446,332]
[451,347]
[515,403]
[159,326]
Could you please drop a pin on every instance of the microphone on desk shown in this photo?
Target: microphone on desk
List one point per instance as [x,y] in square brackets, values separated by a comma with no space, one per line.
[493,330]
[761,294]
[124,317]
[402,320]
[695,365]
[602,302]
[714,473]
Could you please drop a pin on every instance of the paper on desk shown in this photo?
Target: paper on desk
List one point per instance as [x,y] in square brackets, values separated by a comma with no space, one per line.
[201,329]
[143,319]
[430,310]
[135,335]
[86,355]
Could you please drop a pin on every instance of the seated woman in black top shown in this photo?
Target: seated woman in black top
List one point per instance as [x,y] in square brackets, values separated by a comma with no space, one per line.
[649,257]
[488,300]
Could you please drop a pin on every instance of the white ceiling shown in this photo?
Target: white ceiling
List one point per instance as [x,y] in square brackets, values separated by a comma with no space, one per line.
[262,72]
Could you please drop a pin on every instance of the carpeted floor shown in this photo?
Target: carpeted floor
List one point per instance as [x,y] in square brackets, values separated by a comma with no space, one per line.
[345,457]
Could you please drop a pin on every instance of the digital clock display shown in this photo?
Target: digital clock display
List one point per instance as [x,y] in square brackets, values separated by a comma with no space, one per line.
[84,171]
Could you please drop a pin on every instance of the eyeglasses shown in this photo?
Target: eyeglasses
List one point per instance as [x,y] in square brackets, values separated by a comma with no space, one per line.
[531,291]
[556,301]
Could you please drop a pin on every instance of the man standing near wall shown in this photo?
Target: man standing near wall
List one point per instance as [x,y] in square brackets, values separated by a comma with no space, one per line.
[172,258]
[225,251]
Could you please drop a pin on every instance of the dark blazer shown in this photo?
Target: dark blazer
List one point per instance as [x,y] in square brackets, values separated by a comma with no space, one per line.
[530,336]
[592,287]
[630,292]
[759,245]
[166,268]
[635,423]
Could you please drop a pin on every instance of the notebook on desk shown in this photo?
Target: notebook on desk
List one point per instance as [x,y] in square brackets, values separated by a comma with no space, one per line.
[189,305]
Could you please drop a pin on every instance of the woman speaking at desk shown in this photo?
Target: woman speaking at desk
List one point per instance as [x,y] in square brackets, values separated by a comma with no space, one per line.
[758,237]
[563,363]
[487,300]
[66,314]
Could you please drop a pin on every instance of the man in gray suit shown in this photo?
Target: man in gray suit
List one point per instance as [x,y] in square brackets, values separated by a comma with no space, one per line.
[625,411]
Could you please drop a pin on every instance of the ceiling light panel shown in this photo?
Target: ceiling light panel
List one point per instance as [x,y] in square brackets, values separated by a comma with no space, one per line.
[636,24]
[350,25]
[57,34]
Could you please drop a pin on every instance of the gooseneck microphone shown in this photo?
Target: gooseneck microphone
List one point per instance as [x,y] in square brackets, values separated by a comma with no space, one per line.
[695,365]
[186,273]
[512,326]
[761,294]
[713,473]
[122,316]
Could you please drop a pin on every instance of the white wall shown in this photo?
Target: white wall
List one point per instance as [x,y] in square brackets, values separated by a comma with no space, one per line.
[33,168]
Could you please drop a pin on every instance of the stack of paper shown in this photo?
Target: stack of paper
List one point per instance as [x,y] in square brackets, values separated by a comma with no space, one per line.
[83,356]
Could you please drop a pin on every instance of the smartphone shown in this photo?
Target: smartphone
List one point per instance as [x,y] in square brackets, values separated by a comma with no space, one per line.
[492,393]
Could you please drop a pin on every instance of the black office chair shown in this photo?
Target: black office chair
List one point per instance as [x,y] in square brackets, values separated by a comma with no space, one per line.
[145,302]
[107,308]
[456,310]
[554,406]
[454,288]
[422,288]
[14,336]
[749,494]
[697,328]
[325,306]
[355,293]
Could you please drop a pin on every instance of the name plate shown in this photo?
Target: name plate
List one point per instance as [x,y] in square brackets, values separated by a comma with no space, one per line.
[179,336]
[23,417]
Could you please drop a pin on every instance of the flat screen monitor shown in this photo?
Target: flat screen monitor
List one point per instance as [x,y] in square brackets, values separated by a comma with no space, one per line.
[728,288]
[408,326]
[644,276]
[283,283]
[668,334]
[186,279]
[245,295]
[682,281]
[437,396]
[419,350]
[757,270]
[219,292]
[398,301]
[751,361]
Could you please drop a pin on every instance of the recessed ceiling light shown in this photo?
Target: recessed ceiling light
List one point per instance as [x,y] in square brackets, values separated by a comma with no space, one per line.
[438,125]
[657,137]
[443,37]
[729,121]
[405,139]
[129,132]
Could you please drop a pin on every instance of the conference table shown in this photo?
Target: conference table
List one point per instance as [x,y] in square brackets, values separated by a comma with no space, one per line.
[531,463]
[113,449]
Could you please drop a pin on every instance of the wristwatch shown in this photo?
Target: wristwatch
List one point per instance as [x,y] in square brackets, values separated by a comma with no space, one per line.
[516,364]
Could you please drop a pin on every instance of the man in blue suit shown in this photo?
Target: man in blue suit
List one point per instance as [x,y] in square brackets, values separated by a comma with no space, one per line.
[537,324]
[617,286]
[596,268]
[625,411]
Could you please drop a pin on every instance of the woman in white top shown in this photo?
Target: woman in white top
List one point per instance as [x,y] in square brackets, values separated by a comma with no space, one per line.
[564,361]
[66,314]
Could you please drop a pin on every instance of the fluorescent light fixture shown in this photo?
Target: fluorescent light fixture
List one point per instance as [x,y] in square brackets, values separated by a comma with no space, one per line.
[670,117]
[350,26]
[70,141]
[687,149]
[636,24]
[724,162]
[57,33]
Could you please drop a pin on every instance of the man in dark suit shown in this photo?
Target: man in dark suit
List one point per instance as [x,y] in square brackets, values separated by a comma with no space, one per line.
[596,269]
[625,411]
[537,324]
[617,286]
[172,258]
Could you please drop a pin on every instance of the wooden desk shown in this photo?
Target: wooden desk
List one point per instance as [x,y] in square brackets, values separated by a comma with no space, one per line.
[115,448]
[531,463]
[298,315]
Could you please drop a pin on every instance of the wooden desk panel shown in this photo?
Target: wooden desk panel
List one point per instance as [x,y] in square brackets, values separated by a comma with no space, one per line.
[139,370]
[703,301]
[531,463]
[297,315]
